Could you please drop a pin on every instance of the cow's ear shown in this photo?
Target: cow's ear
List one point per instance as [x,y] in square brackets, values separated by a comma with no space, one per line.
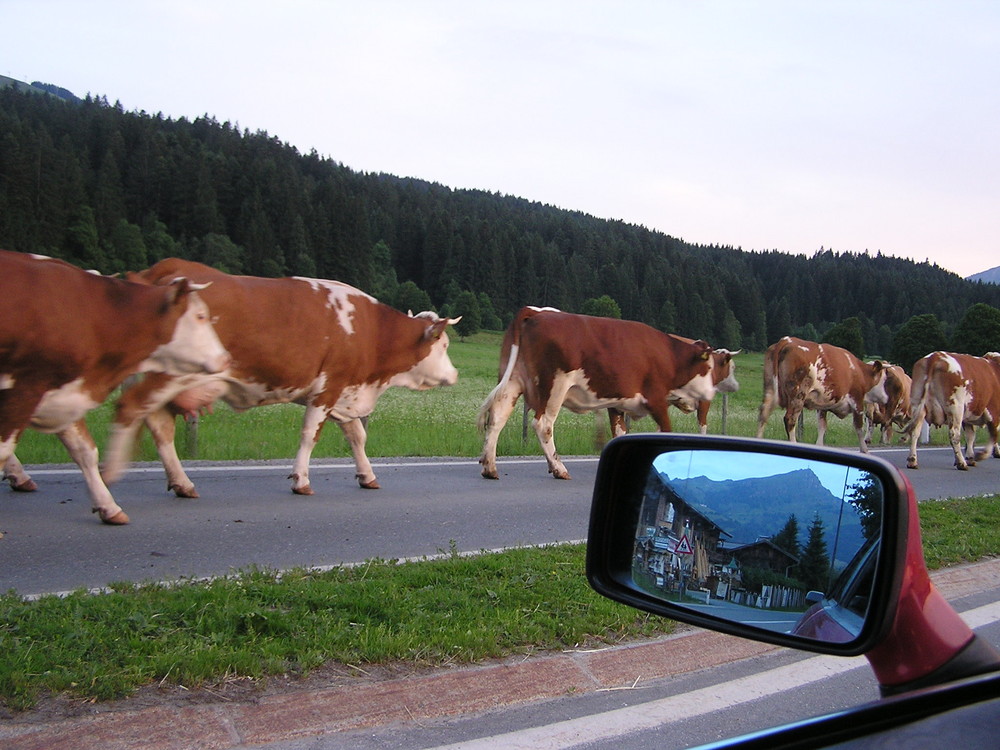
[435,330]
[183,285]
[705,349]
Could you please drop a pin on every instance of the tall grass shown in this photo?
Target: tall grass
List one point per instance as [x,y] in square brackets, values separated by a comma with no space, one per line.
[440,422]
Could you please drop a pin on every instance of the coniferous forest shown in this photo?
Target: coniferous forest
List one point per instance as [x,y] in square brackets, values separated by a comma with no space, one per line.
[112,190]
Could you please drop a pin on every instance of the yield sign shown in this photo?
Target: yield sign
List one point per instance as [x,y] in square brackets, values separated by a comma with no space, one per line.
[683,547]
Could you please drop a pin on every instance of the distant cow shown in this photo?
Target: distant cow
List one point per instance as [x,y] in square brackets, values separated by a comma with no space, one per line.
[585,363]
[68,337]
[322,344]
[959,391]
[723,377]
[802,374]
[895,412]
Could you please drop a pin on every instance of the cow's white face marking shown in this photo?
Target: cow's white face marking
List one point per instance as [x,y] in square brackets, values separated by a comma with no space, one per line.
[194,347]
[6,381]
[338,299]
[698,388]
[433,370]
[877,394]
[62,406]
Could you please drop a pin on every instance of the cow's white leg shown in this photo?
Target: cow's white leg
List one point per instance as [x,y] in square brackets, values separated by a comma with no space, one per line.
[544,424]
[163,427]
[859,428]
[357,436]
[493,417]
[312,426]
[915,431]
[20,480]
[970,442]
[954,438]
[83,451]
[821,427]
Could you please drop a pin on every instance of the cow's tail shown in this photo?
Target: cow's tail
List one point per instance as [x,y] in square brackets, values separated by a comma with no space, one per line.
[919,388]
[508,359]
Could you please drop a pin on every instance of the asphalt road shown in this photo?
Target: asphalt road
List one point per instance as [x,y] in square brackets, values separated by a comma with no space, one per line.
[247,515]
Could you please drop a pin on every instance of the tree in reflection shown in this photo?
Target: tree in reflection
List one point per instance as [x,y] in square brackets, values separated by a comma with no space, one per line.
[865,496]
[814,566]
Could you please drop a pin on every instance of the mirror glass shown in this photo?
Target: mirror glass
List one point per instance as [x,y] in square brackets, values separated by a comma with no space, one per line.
[782,543]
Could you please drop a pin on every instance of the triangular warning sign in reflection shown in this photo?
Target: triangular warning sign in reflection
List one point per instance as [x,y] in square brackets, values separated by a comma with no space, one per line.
[683,547]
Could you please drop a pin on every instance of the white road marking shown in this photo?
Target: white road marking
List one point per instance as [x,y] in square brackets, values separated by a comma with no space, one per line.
[659,713]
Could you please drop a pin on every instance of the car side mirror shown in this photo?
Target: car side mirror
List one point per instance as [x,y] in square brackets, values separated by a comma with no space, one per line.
[785,543]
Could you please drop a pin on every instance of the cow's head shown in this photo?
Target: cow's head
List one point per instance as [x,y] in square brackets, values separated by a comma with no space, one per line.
[724,370]
[435,367]
[876,393]
[190,342]
[695,367]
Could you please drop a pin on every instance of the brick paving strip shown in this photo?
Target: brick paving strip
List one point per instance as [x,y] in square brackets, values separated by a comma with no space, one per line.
[451,692]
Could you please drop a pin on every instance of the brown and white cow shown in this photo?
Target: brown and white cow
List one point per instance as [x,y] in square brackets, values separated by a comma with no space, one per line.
[895,412]
[801,374]
[68,337]
[723,377]
[959,391]
[322,344]
[585,363]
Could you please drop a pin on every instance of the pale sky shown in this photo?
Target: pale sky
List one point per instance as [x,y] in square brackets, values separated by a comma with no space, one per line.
[868,125]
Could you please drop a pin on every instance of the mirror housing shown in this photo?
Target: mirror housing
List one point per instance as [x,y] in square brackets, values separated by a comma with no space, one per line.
[908,631]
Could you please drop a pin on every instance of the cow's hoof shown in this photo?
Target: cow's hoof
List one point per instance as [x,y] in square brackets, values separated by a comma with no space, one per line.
[490,474]
[28,485]
[912,465]
[372,485]
[118,519]
[189,491]
[963,467]
[561,475]
[307,490]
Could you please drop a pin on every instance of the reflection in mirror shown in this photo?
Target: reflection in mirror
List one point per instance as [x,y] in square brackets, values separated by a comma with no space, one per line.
[783,543]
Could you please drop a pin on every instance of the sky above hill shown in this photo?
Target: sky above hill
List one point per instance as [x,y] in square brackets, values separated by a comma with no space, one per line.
[848,125]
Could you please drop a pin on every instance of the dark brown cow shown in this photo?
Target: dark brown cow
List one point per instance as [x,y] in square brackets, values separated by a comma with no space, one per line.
[801,374]
[586,363]
[959,391]
[322,344]
[895,412]
[68,337]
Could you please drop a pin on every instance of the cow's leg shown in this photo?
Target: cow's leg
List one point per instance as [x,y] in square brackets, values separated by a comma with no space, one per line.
[312,426]
[20,480]
[954,438]
[914,431]
[617,420]
[792,413]
[544,424]
[703,407]
[970,443]
[134,405]
[354,431]
[859,428]
[82,449]
[492,418]
[162,426]
[820,427]
[991,446]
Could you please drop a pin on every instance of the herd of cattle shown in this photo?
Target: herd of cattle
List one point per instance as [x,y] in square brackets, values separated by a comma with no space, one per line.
[69,337]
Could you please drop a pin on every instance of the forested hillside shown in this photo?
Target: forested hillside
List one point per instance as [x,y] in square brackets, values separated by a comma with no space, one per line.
[115,190]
